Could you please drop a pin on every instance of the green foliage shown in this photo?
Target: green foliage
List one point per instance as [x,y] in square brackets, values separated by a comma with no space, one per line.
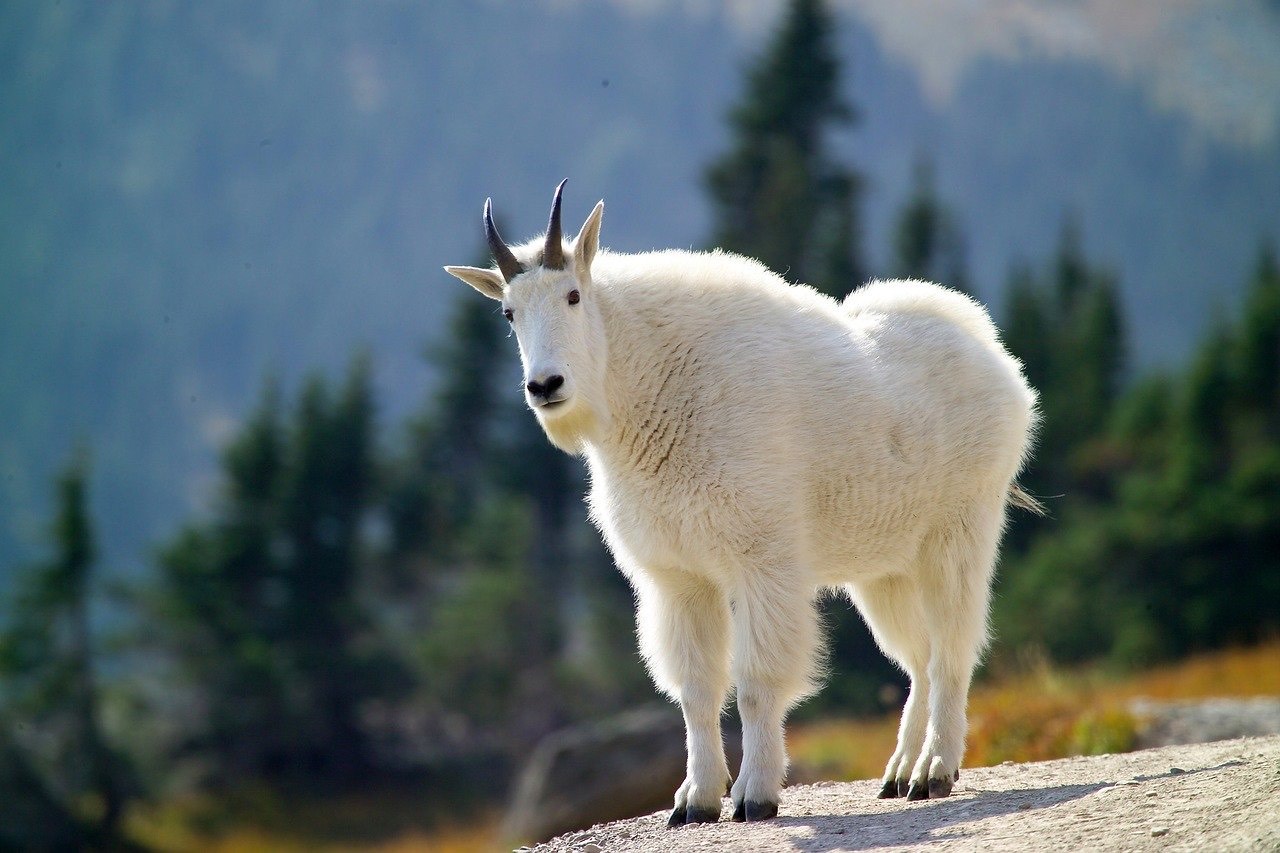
[778,195]
[477,643]
[926,241]
[259,607]
[49,688]
[1066,327]
[1169,542]
[34,819]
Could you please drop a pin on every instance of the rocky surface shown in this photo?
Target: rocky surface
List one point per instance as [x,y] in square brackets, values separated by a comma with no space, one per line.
[1204,720]
[1222,796]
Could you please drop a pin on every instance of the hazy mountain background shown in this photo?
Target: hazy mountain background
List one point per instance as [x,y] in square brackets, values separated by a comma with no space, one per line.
[197,196]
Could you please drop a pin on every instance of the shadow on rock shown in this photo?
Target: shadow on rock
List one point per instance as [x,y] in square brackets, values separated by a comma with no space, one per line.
[919,822]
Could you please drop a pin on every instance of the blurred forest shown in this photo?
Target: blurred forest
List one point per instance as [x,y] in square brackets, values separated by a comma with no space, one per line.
[373,600]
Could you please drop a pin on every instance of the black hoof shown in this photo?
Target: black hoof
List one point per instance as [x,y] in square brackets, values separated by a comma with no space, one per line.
[760,811]
[917,792]
[751,810]
[903,788]
[957,774]
[680,816]
[939,788]
[694,814]
[890,790]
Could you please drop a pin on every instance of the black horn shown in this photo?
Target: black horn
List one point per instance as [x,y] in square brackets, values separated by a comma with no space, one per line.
[553,251]
[507,262]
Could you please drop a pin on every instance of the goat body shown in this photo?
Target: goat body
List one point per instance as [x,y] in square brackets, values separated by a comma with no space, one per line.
[751,443]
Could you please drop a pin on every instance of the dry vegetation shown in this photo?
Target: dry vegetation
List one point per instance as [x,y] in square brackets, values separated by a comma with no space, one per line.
[1041,713]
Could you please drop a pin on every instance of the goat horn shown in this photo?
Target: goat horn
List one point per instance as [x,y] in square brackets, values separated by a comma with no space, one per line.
[506,261]
[553,251]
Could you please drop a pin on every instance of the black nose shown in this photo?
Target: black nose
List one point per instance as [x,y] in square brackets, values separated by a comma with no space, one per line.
[545,389]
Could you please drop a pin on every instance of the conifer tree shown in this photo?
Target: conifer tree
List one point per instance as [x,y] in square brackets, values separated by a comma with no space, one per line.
[326,493]
[453,444]
[927,240]
[1027,324]
[48,662]
[778,195]
[1259,354]
[1068,330]
[259,606]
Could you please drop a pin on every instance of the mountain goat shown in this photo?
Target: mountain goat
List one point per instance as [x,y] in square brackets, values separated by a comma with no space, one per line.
[752,443]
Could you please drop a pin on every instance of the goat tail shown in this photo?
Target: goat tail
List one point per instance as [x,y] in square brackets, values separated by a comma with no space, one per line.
[1023,499]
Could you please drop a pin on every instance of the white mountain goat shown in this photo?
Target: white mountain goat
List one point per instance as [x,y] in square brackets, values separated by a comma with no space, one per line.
[752,443]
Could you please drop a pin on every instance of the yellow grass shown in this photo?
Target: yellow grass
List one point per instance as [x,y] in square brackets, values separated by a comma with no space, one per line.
[259,822]
[1041,713]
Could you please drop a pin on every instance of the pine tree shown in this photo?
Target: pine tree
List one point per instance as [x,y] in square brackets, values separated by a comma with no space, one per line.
[1068,330]
[778,195]
[481,456]
[927,241]
[326,493]
[1259,352]
[1027,325]
[453,445]
[473,361]
[48,660]
[259,607]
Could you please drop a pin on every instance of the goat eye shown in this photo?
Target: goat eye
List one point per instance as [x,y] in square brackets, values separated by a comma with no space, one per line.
[574,296]
[506,312]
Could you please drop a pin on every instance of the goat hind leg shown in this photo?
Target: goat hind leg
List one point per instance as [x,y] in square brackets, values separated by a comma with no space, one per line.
[956,615]
[892,610]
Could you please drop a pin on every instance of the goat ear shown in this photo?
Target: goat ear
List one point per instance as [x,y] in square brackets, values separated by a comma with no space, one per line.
[584,247]
[487,282]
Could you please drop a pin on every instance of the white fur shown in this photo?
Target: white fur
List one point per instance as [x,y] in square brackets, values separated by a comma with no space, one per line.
[752,443]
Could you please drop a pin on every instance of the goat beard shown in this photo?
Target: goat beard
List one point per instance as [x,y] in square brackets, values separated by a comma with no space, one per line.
[570,429]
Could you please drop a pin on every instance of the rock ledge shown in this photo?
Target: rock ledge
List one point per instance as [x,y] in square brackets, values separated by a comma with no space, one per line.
[1215,796]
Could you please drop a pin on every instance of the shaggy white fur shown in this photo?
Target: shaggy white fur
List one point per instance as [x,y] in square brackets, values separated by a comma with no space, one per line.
[752,443]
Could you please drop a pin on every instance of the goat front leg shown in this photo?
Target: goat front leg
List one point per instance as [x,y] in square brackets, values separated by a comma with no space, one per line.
[684,637]
[775,655]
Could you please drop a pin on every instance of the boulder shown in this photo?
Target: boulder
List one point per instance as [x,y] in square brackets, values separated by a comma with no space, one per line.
[1165,723]
[627,765]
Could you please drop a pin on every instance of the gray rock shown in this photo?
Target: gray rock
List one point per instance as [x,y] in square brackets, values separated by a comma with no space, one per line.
[625,766]
[1204,720]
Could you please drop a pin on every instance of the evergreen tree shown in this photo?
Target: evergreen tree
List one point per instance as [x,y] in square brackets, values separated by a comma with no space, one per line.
[1176,551]
[927,241]
[1068,330]
[452,445]
[260,606]
[778,195]
[34,819]
[483,450]
[1259,349]
[47,666]
[218,602]
[490,542]
[326,493]
[1027,325]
